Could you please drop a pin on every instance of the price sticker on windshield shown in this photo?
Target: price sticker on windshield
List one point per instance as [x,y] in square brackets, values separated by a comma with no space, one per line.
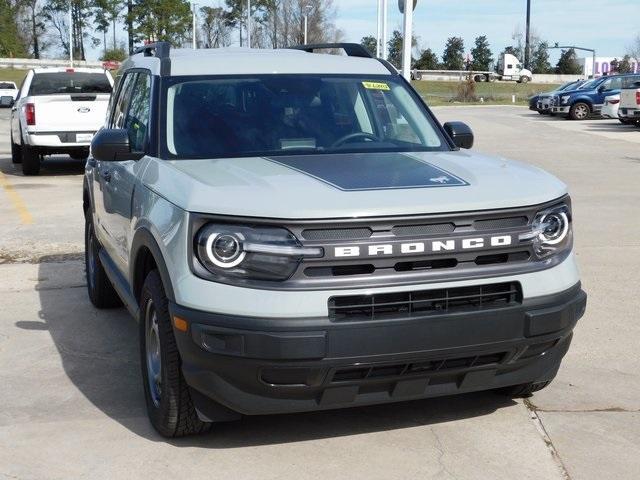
[376,86]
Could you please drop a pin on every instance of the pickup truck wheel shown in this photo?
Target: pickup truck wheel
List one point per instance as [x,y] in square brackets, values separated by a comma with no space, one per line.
[524,390]
[101,291]
[169,404]
[16,152]
[579,111]
[30,160]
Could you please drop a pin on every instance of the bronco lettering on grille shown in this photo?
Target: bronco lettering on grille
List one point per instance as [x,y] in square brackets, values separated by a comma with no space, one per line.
[427,247]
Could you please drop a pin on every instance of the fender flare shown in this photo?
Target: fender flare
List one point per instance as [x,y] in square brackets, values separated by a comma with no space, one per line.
[141,239]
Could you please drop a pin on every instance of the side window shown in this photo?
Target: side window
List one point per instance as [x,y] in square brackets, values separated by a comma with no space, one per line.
[121,102]
[137,119]
[606,85]
[616,84]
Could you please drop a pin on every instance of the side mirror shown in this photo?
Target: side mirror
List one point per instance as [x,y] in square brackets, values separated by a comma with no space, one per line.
[601,88]
[112,145]
[6,101]
[460,133]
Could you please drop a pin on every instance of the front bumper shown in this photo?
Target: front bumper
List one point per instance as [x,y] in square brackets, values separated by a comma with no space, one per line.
[262,366]
[564,109]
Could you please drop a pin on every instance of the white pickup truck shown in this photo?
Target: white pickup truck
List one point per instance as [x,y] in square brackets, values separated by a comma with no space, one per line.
[8,93]
[629,110]
[58,110]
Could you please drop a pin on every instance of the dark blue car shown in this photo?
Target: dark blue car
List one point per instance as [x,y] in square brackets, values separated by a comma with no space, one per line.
[589,99]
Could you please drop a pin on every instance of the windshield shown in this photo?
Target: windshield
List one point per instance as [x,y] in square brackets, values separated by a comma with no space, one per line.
[286,114]
[69,82]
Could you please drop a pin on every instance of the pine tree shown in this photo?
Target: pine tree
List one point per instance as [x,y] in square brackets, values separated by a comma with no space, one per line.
[481,53]
[453,56]
[540,59]
[568,63]
[428,60]
[370,44]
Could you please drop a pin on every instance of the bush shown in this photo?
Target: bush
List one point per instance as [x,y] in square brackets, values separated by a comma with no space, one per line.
[466,90]
[114,55]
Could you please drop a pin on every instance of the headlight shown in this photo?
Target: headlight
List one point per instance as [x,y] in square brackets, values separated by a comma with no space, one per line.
[565,98]
[551,231]
[252,253]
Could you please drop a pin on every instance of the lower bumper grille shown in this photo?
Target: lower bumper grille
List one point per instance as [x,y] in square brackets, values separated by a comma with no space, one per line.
[425,302]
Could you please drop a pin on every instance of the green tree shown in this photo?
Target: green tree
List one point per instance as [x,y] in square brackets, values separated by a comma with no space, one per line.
[162,20]
[515,51]
[370,43]
[428,60]
[481,53]
[11,44]
[540,59]
[107,12]
[114,54]
[56,14]
[625,65]
[453,56]
[394,48]
[568,63]
[215,27]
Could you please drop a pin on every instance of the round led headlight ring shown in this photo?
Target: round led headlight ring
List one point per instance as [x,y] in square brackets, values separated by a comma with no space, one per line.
[557,227]
[225,250]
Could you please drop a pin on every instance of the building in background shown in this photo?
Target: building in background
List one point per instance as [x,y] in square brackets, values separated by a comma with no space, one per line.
[603,65]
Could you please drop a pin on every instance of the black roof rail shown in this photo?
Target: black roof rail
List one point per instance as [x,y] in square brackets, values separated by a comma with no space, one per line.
[351,49]
[158,50]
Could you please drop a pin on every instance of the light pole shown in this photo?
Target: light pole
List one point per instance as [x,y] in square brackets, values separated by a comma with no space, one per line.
[249,23]
[70,35]
[527,42]
[193,30]
[384,29]
[407,25]
[378,31]
[307,9]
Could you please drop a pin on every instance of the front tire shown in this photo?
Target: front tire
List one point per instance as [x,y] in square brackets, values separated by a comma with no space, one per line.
[524,80]
[101,291]
[579,111]
[169,404]
[30,160]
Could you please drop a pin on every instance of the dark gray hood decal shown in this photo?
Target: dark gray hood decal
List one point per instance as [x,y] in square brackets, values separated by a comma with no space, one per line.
[370,171]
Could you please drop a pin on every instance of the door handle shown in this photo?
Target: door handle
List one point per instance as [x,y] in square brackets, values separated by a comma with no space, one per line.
[106,175]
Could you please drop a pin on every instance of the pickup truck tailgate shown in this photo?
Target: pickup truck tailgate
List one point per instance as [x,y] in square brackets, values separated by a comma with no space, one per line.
[70,113]
[629,98]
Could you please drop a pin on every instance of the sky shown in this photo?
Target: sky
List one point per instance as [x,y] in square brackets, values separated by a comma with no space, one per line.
[609,26]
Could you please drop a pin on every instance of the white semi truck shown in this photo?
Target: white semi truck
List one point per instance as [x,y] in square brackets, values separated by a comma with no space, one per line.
[509,69]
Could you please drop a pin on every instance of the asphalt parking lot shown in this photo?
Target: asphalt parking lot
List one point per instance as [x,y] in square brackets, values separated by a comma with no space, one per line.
[70,390]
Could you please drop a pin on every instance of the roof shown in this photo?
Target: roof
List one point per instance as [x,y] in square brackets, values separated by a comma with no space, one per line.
[242,61]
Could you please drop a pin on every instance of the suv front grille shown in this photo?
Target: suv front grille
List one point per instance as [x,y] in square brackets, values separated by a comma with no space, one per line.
[424,302]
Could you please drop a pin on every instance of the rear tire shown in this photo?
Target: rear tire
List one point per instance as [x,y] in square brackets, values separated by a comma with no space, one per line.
[524,390]
[30,160]
[101,291]
[169,404]
[16,152]
[579,111]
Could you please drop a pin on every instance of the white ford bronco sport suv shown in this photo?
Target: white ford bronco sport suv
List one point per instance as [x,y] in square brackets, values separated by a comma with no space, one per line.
[58,110]
[295,231]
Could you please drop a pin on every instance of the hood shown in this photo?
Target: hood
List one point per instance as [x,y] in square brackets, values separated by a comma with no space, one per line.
[350,185]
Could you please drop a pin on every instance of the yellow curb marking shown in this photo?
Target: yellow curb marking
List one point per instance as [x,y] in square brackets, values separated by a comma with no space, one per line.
[16,199]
